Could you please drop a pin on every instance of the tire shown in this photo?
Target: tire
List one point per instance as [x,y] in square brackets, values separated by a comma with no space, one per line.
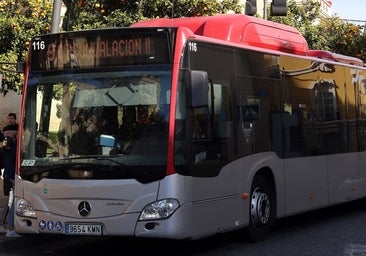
[262,209]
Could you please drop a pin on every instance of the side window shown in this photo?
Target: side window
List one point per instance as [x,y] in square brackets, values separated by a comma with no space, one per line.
[258,103]
[318,114]
[211,127]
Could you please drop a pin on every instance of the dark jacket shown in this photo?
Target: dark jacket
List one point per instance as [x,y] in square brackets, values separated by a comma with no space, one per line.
[9,160]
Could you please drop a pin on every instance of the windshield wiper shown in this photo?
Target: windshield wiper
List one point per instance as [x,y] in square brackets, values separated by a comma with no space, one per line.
[108,158]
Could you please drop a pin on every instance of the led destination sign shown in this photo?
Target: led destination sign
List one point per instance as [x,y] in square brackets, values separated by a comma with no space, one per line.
[125,47]
[80,51]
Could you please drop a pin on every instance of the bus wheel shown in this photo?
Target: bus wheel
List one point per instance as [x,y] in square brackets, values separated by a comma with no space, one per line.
[262,209]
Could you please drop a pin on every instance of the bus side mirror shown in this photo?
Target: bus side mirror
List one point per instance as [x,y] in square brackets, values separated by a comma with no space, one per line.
[198,88]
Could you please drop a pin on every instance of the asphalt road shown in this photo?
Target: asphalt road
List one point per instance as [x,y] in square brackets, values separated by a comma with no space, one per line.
[335,231]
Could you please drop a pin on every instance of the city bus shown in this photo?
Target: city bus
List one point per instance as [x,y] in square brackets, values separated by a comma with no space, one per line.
[186,128]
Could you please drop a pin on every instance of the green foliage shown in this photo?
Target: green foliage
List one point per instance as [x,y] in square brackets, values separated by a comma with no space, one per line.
[188,8]
[344,37]
[84,14]
[331,34]
[19,21]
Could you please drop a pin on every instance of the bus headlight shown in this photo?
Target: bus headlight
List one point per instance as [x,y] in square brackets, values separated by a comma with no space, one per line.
[159,210]
[25,209]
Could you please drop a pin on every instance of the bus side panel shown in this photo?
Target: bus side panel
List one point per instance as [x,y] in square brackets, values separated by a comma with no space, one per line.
[212,203]
[322,134]
[306,185]
[195,220]
[346,171]
[323,181]
[346,177]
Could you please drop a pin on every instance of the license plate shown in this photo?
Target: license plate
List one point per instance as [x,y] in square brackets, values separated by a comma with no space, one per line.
[83,229]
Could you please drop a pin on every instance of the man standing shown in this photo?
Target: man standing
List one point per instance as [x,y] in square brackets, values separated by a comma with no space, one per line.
[10,133]
[11,130]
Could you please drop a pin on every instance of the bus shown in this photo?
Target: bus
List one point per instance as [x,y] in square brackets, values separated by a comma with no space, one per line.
[185,128]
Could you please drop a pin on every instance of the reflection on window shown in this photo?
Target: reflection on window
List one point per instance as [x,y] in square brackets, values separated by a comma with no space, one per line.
[101,116]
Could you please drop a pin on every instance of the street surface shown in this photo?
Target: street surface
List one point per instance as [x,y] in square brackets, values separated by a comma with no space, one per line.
[335,231]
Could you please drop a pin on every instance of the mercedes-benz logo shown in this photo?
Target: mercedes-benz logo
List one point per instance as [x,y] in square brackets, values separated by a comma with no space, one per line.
[84,208]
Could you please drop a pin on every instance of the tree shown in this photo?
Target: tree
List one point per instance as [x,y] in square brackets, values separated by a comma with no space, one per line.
[344,37]
[84,14]
[19,21]
[331,34]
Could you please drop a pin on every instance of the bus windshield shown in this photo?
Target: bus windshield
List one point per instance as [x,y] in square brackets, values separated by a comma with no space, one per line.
[114,118]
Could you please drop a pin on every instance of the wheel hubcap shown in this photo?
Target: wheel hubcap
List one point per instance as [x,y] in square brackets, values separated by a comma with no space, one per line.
[260,207]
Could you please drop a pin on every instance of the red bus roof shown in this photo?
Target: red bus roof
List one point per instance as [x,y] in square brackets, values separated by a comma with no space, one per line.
[335,57]
[239,28]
